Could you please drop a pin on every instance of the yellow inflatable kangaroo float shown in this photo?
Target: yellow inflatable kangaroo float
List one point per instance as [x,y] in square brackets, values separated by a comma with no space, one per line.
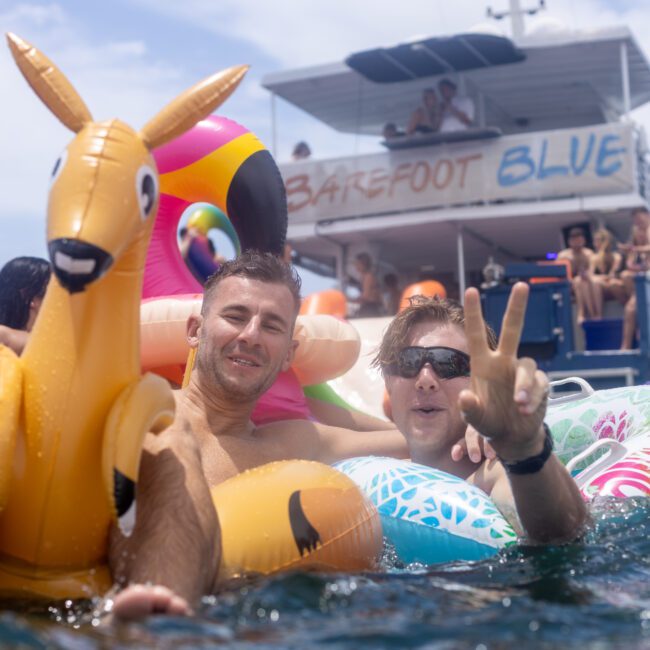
[73,408]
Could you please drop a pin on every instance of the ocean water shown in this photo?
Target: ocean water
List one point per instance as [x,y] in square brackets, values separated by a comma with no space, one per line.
[591,594]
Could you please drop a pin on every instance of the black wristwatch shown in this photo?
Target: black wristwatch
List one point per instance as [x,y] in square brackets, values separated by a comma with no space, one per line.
[533,463]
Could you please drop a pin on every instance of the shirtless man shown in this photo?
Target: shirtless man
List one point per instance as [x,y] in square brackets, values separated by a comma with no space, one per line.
[425,360]
[243,339]
[579,257]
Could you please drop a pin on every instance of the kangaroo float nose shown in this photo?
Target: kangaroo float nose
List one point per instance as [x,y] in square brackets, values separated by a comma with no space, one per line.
[76,264]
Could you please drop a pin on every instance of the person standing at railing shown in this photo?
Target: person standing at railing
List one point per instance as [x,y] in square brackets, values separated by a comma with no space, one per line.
[370,300]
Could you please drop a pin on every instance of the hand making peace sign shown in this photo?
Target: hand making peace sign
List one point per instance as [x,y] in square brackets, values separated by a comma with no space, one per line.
[507,399]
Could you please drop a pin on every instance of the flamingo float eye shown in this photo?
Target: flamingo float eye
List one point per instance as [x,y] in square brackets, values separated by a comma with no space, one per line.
[58,166]
[146,186]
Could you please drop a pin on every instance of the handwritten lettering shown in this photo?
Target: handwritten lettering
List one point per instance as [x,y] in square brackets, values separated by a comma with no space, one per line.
[519,164]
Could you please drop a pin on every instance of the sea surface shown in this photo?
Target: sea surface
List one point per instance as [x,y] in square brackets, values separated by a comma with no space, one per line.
[591,594]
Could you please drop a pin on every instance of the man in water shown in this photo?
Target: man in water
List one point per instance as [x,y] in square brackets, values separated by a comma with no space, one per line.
[243,339]
[436,393]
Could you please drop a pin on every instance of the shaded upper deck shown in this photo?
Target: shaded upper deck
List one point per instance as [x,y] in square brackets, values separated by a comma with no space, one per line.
[564,80]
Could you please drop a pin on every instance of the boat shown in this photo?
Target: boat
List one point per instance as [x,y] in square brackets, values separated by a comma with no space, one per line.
[553,145]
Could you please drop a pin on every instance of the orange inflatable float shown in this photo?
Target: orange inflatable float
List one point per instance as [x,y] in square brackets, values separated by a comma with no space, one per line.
[295,514]
[329,301]
[428,288]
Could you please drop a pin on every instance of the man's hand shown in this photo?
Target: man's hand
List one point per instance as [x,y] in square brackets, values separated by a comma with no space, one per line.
[474,446]
[507,399]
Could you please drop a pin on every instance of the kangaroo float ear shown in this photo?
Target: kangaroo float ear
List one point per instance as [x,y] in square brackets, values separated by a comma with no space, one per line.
[192,106]
[50,84]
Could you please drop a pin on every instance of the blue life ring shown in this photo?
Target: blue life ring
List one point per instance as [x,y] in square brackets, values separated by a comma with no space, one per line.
[430,516]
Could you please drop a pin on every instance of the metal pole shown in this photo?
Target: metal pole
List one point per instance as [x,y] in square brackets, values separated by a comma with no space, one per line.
[461,263]
[274,133]
[516,19]
[625,77]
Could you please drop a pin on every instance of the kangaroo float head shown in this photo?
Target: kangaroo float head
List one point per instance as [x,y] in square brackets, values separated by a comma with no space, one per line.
[104,187]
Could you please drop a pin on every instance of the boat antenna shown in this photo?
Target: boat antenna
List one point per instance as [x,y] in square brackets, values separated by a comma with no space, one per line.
[516,14]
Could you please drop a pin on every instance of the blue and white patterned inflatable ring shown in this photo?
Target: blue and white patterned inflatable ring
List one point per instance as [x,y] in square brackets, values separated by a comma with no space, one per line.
[429,516]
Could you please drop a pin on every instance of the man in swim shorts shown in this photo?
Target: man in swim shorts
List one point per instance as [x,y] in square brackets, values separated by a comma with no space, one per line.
[243,339]
[435,393]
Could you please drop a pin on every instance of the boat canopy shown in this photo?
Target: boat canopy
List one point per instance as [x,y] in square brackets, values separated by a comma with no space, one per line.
[552,81]
[434,56]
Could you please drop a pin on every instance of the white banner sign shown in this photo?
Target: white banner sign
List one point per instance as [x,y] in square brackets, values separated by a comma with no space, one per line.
[552,164]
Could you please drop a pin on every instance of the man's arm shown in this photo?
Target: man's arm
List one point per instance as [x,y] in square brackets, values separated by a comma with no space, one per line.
[530,502]
[337,444]
[337,416]
[327,444]
[175,542]
[507,404]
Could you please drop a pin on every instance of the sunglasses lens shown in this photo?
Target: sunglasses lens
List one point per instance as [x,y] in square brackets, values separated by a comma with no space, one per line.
[450,364]
[410,361]
[446,363]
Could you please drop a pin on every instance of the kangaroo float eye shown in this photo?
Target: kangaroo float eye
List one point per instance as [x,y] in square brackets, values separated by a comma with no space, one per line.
[58,166]
[146,186]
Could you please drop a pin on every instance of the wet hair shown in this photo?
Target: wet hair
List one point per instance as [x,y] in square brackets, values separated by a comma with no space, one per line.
[447,82]
[21,280]
[422,309]
[365,259]
[576,232]
[255,265]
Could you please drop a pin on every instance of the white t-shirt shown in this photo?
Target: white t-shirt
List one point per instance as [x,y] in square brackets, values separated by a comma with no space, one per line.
[450,122]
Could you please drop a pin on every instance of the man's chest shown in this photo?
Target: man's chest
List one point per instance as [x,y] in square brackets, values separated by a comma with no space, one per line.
[225,457]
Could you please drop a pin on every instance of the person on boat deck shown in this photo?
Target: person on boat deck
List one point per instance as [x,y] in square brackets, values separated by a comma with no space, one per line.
[605,268]
[435,392]
[23,282]
[392,294]
[579,257]
[243,338]
[457,112]
[301,151]
[637,260]
[426,118]
[370,300]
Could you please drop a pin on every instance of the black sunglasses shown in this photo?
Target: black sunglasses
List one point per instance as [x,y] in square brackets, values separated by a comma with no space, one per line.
[447,363]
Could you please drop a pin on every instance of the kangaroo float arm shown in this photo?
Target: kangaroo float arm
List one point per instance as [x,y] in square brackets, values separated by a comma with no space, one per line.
[11,393]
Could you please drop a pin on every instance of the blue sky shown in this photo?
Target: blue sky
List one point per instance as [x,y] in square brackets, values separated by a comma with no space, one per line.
[128,58]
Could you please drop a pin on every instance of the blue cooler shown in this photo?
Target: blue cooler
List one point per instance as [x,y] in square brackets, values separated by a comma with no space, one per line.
[603,334]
